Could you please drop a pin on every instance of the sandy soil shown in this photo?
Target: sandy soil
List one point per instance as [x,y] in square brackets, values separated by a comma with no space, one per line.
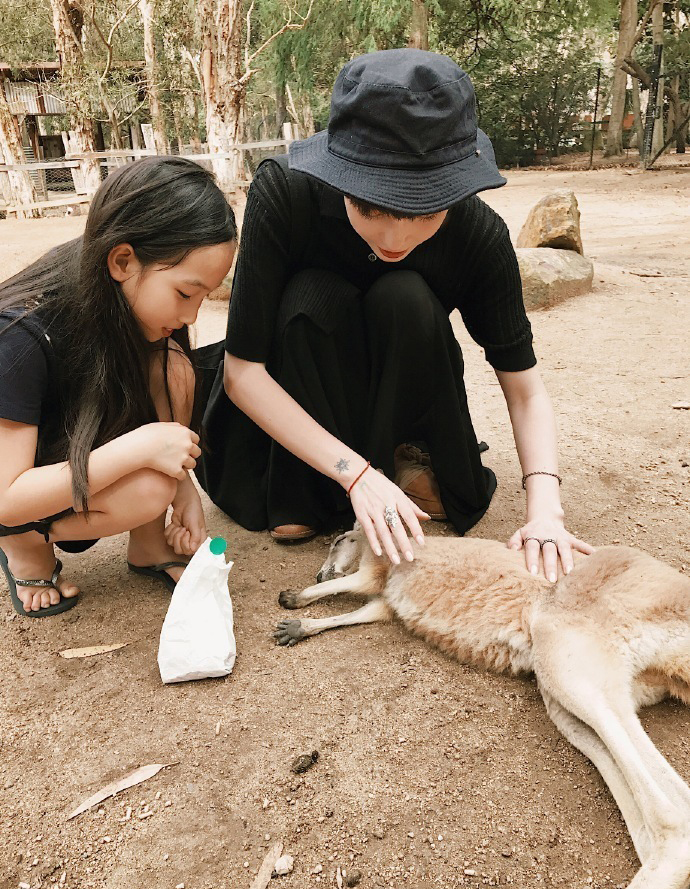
[430,773]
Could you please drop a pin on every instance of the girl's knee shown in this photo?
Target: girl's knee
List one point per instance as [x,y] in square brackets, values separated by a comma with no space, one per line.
[181,376]
[153,490]
[173,384]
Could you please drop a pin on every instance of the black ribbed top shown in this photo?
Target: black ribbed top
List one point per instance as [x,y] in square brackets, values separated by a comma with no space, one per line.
[470,265]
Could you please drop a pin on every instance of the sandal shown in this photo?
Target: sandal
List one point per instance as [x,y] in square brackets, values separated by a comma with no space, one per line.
[13,582]
[159,572]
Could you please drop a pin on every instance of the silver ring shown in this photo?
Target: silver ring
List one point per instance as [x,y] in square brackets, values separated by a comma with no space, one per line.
[549,540]
[391,517]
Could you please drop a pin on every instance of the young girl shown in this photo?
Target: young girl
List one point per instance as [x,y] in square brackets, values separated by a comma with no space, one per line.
[97,385]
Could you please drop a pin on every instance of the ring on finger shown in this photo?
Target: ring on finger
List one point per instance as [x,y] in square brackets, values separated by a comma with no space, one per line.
[540,542]
[549,540]
[390,516]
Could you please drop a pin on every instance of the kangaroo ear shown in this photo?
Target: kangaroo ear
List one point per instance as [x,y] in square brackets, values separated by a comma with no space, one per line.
[356,526]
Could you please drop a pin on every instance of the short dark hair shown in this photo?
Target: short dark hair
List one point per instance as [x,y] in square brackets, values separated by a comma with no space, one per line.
[370,210]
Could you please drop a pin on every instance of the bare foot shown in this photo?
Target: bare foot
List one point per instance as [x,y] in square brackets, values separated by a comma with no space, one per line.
[31,558]
[143,553]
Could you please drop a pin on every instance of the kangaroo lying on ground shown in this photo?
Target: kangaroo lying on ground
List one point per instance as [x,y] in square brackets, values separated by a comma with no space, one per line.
[608,638]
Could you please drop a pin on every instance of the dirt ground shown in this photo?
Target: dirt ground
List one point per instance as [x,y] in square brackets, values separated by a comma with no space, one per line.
[430,773]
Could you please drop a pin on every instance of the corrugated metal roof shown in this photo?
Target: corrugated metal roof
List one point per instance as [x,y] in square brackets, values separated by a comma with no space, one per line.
[53,101]
[23,97]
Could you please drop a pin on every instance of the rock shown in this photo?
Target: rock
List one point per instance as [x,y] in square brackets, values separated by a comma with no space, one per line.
[353,878]
[284,865]
[304,762]
[553,222]
[550,276]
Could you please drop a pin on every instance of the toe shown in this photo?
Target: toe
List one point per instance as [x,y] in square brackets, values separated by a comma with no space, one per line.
[26,597]
[37,601]
[67,589]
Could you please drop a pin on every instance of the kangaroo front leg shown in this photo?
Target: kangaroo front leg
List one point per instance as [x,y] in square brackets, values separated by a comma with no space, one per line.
[290,632]
[357,583]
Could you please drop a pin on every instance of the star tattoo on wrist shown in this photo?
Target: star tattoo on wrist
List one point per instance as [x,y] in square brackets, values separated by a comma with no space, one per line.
[342,465]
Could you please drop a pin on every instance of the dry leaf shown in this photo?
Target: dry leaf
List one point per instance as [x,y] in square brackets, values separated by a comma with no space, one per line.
[138,776]
[263,878]
[91,650]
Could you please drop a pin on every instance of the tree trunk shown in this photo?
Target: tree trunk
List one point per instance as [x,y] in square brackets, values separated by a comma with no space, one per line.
[658,38]
[223,85]
[307,119]
[67,19]
[419,26]
[147,10]
[637,113]
[281,110]
[626,35]
[21,187]
[177,124]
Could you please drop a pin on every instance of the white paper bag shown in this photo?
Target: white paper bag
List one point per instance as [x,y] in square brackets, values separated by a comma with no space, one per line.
[197,640]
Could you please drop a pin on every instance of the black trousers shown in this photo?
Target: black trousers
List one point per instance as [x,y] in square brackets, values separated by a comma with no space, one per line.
[374,368]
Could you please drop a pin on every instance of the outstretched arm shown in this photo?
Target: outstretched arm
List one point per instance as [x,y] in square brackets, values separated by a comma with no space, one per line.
[249,385]
[534,429]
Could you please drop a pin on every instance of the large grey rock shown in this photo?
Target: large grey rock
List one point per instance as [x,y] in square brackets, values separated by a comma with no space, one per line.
[550,276]
[553,222]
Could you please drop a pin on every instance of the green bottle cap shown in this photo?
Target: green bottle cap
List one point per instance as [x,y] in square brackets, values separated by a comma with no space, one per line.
[218,546]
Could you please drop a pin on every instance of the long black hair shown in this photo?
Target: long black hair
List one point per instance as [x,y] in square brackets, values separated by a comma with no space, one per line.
[164,207]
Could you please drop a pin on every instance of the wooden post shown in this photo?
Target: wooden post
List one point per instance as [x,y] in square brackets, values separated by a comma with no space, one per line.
[594,121]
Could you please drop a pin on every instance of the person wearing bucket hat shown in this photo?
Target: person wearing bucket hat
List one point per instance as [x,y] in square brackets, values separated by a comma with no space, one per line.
[340,356]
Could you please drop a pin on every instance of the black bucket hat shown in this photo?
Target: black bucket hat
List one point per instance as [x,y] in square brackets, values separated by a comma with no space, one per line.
[402,134]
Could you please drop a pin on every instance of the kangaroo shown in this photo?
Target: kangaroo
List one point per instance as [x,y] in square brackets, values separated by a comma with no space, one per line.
[603,641]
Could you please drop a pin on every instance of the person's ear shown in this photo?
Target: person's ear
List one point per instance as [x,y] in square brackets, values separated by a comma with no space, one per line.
[123,263]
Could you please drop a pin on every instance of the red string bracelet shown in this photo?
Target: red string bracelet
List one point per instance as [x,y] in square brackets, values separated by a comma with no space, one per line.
[358,477]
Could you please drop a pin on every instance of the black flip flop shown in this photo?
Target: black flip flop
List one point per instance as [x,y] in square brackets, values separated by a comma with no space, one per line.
[159,572]
[13,582]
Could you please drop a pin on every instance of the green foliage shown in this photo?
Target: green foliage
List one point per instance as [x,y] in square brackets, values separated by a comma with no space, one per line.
[26,32]
[533,62]
[532,97]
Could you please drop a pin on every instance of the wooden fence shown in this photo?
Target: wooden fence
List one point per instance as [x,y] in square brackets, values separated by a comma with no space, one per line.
[59,183]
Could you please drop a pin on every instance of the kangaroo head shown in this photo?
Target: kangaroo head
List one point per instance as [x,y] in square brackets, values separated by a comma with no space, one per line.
[342,556]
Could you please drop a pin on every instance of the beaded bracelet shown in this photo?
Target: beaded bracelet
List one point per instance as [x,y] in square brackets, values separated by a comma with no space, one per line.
[540,472]
[358,477]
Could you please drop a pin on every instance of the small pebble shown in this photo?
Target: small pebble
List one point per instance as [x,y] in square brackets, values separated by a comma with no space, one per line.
[284,865]
[353,878]
[318,869]
[378,833]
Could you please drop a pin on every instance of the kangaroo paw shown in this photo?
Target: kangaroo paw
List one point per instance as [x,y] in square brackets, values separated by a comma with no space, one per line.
[290,599]
[289,632]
